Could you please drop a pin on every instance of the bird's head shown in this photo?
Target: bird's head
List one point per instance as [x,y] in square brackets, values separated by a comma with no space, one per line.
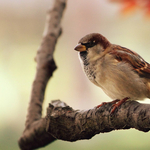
[92,46]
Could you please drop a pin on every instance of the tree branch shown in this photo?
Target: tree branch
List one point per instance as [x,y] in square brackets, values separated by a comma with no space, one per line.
[62,122]
[67,124]
[34,135]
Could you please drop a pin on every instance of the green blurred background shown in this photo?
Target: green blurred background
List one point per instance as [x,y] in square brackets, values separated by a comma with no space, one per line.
[21,28]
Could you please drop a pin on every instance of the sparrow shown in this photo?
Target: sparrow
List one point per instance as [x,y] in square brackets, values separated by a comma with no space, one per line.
[120,72]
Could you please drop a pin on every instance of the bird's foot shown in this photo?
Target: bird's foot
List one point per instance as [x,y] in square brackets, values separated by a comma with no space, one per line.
[116,105]
[112,102]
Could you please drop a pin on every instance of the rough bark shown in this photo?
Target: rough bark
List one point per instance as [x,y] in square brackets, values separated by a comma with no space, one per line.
[67,124]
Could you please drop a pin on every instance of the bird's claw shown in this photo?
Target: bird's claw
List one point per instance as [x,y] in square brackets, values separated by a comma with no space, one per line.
[116,103]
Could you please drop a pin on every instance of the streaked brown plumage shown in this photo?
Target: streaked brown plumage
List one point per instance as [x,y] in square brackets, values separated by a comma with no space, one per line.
[120,72]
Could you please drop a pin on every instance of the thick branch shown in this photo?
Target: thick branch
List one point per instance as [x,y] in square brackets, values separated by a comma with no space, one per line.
[34,135]
[67,124]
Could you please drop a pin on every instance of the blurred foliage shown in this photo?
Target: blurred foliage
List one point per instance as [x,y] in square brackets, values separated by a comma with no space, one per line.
[21,29]
[131,5]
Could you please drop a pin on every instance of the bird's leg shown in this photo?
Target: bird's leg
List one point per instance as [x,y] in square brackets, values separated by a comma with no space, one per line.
[112,102]
[115,105]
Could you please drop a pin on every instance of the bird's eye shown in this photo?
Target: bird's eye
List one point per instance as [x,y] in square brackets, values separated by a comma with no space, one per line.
[89,44]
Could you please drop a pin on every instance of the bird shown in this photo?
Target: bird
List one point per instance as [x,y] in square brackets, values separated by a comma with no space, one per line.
[120,72]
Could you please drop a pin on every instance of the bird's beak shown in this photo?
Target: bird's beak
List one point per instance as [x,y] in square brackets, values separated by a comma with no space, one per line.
[80,48]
